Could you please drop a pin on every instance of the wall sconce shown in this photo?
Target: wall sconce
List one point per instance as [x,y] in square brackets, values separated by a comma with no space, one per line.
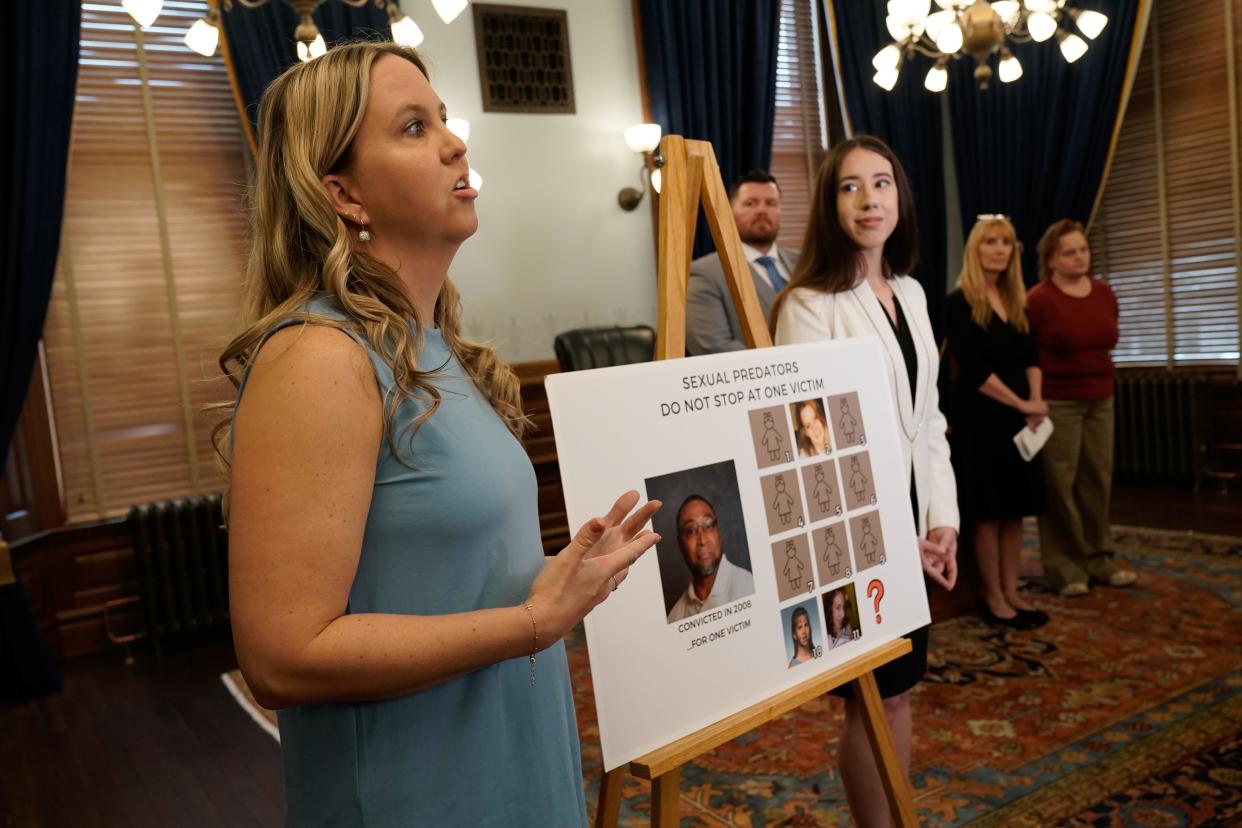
[643,139]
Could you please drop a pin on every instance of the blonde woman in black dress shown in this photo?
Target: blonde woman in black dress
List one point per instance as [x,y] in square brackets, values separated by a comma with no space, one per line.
[996,393]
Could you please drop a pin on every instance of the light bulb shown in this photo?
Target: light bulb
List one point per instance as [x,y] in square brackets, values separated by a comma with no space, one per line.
[1091,23]
[448,9]
[898,30]
[937,79]
[909,12]
[887,58]
[459,127]
[144,12]
[936,23]
[406,32]
[203,37]
[1041,26]
[886,78]
[656,180]
[642,137]
[950,39]
[1008,10]
[1010,69]
[310,51]
[901,23]
[1073,47]
[475,180]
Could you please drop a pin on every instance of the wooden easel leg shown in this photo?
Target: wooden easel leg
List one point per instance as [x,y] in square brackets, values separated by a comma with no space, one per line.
[666,799]
[896,785]
[608,808]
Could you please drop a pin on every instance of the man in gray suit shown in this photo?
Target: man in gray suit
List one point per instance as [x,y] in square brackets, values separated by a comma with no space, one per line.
[711,320]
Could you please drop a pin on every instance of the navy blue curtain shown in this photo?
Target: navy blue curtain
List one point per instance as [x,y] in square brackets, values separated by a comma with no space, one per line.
[40,75]
[711,75]
[261,44]
[39,81]
[1036,149]
[907,119]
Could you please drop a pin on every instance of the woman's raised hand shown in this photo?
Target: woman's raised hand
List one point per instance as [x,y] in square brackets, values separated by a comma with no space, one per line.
[595,562]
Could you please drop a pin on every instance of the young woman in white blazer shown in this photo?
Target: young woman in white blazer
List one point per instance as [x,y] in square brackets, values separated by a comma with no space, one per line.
[861,237]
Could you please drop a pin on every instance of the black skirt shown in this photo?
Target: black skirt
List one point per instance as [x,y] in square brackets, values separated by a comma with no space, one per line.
[900,674]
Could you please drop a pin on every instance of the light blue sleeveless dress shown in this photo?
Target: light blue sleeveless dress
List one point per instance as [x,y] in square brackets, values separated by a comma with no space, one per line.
[459,532]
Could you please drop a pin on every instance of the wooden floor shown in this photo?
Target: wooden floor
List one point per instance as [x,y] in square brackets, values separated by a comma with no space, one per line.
[164,744]
[1210,511]
[155,744]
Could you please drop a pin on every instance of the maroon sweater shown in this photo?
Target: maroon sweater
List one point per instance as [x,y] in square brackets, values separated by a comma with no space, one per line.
[1076,338]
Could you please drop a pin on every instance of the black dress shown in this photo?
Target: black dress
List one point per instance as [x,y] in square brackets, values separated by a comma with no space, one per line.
[993,481]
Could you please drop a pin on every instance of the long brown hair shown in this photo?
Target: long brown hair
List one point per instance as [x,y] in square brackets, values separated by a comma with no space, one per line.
[805,446]
[831,261]
[301,248]
[1009,284]
[1051,240]
[845,606]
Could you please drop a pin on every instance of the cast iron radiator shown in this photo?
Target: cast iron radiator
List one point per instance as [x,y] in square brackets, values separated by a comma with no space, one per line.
[1162,426]
[181,548]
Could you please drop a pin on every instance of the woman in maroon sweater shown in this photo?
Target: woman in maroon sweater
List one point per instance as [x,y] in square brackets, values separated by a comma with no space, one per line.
[1074,319]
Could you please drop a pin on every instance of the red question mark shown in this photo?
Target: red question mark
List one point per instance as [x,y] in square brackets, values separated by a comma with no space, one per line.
[877,587]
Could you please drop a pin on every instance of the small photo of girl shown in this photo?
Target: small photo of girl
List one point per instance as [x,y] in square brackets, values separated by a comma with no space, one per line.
[803,641]
[811,428]
[842,614]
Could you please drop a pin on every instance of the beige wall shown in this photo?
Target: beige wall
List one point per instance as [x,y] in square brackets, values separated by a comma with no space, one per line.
[553,250]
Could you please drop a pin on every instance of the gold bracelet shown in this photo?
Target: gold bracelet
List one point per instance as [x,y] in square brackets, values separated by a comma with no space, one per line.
[534,646]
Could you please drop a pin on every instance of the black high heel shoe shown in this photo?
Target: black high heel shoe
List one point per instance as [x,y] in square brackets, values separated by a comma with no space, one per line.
[1034,619]
[1015,623]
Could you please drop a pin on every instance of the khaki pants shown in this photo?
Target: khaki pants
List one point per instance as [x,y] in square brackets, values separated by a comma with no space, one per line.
[1075,539]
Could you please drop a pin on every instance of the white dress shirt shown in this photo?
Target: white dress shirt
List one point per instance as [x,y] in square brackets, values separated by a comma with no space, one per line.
[732,582]
[753,255]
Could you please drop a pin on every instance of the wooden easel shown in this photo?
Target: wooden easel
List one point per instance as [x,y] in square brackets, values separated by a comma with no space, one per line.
[692,177]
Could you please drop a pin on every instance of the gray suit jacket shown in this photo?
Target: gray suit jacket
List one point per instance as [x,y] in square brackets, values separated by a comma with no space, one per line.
[711,320]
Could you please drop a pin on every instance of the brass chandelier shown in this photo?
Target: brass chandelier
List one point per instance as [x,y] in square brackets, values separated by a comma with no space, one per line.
[204,35]
[978,28]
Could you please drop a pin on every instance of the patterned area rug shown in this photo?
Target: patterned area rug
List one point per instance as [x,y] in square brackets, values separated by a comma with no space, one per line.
[1125,710]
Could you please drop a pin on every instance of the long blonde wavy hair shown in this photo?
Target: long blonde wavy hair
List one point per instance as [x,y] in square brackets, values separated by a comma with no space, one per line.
[301,248]
[973,284]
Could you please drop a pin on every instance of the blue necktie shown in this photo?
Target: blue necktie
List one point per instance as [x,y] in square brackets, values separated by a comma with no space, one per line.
[769,264]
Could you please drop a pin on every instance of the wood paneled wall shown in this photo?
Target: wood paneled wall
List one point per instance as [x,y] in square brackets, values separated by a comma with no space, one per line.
[68,573]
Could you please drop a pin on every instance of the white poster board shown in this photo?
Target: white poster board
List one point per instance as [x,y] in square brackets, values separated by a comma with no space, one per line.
[784,468]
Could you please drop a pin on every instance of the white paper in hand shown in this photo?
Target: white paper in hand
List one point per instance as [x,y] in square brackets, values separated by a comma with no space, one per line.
[1030,442]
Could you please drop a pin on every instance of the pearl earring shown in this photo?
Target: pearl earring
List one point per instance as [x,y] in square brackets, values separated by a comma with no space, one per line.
[364,235]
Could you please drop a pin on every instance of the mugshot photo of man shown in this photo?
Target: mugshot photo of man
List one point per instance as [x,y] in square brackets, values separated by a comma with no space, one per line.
[714,580]
[704,554]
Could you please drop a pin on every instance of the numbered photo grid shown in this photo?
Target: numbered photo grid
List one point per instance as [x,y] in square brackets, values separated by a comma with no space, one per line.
[821,511]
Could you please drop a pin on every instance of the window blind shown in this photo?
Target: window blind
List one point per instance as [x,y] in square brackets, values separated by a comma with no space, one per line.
[1165,233]
[148,284]
[798,133]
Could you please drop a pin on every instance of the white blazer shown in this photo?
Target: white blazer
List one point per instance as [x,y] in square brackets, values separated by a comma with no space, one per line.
[808,315]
